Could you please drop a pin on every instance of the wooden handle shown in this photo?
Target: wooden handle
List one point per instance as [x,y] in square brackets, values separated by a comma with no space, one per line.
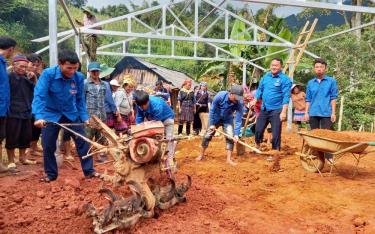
[241,142]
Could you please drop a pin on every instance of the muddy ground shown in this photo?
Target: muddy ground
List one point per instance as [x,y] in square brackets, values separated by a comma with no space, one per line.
[248,198]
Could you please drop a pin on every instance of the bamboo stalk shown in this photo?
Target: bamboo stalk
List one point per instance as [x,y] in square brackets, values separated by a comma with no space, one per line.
[241,142]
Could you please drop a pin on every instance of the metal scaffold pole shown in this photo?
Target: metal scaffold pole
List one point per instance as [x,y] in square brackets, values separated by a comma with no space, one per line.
[52,9]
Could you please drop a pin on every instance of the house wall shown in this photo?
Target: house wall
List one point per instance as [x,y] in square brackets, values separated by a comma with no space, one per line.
[142,77]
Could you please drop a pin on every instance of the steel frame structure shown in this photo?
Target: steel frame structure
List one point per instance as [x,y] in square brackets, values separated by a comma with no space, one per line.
[195,35]
[339,6]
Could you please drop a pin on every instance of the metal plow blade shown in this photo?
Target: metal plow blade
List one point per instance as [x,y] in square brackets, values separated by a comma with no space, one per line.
[121,213]
[170,195]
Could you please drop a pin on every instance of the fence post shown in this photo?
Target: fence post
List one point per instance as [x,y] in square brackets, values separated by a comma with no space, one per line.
[341,113]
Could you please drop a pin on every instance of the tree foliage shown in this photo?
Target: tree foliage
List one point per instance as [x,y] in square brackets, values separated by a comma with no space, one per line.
[77,3]
[114,10]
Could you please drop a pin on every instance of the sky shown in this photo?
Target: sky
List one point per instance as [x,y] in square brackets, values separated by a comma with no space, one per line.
[280,12]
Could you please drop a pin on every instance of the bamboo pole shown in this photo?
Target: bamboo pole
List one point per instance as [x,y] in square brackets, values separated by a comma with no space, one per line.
[341,113]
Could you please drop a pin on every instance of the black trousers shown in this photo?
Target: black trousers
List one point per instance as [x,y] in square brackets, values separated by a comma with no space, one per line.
[2,128]
[18,133]
[36,132]
[197,124]
[264,118]
[317,122]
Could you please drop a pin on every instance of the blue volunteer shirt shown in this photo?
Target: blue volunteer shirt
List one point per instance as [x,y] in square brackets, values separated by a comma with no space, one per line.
[55,96]
[4,87]
[157,110]
[274,91]
[222,111]
[319,95]
[109,103]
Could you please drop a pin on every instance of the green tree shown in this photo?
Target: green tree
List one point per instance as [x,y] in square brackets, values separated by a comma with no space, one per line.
[77,3]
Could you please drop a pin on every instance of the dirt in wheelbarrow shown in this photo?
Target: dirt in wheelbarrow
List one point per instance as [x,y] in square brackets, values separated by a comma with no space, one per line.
[248,198]
[350,136]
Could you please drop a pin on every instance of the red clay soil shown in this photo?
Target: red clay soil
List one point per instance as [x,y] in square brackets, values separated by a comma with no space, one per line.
[344,136]
[247,198]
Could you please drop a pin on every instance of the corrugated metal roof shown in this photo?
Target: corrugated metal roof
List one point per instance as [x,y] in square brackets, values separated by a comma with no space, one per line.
[175,78]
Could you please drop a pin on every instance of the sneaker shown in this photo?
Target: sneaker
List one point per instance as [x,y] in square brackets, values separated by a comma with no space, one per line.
[12,168]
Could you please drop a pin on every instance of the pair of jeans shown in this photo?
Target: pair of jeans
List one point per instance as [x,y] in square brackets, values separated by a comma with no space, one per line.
[265,117]
[49,137]
[228,129]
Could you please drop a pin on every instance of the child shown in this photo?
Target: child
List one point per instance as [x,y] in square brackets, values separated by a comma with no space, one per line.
[299,104]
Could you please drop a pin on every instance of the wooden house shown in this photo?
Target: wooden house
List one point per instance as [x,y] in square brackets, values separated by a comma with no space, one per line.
[146,74]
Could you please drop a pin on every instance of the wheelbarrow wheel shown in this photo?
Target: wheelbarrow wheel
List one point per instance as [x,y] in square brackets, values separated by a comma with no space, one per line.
[312,161]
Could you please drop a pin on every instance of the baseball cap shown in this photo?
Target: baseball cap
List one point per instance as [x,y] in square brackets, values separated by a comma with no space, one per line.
[94,66]
[114,82]
[237,91]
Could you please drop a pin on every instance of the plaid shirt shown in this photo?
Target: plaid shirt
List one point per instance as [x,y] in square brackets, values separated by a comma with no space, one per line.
[95,98]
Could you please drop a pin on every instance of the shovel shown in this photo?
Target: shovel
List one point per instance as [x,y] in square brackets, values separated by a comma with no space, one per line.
[241,142]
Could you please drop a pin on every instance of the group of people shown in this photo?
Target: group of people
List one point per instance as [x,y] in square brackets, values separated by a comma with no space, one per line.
[37,104]
[269,103]
[193,106]
[16,119]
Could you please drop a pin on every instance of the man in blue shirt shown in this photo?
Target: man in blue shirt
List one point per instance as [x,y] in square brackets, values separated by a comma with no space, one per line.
[156,108]
[223,107]
[274,90]
[7,46]
[59,97]
[321,95]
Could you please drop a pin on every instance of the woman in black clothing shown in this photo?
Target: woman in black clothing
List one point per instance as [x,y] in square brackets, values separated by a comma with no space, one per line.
[202,98]
[186,104]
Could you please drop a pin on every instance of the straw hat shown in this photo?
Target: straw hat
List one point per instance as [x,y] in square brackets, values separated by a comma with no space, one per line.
[127,79]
